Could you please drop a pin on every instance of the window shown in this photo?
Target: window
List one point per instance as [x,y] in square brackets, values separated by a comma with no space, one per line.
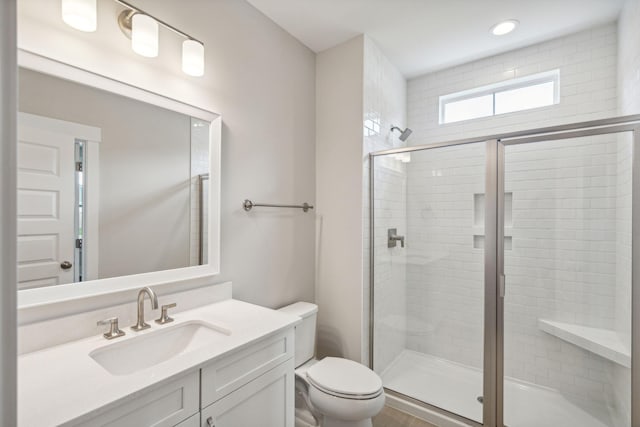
[538,90]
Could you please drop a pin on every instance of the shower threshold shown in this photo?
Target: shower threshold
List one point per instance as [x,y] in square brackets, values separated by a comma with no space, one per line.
[457,388]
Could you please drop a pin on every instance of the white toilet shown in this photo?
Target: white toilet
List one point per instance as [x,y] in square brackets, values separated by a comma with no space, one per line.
[332,392]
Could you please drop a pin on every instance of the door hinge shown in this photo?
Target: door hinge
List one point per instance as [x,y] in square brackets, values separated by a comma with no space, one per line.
[78,243]
[78,166]
[501,285]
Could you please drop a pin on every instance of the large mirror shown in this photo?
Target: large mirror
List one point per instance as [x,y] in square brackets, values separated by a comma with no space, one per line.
[109,185]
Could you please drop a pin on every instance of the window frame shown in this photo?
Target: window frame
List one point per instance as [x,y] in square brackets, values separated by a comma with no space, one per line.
[552,76]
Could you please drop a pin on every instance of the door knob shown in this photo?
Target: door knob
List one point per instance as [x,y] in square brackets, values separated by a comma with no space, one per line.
[65,265]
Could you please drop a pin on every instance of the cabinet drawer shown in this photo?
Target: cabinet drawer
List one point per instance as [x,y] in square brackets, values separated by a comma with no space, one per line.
[233,371]
[267,401]
[165,406]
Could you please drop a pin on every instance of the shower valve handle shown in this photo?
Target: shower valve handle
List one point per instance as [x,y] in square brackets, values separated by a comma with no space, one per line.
[393,238]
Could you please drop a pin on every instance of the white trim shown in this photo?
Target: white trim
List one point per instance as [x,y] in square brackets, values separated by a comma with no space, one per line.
[35,62]
[503,86]
[47,303]
[215,189]
[91,240]
[43,303]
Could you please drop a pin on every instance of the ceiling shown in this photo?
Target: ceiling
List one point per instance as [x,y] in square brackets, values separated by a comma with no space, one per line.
[420,36]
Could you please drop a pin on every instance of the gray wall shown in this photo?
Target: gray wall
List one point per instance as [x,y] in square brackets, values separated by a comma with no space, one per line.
[144,172]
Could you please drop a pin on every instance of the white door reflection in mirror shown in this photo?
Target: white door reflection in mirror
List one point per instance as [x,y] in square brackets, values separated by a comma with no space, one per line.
[46,218]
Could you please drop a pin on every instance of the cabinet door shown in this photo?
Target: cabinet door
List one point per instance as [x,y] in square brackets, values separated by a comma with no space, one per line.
[267,401]
[165,406]
[193,421]
[231,372]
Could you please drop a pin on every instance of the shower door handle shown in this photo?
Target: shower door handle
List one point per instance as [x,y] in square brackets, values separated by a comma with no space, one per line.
[501,285]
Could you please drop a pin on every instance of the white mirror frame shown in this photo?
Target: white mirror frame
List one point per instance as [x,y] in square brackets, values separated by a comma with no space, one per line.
[43,303]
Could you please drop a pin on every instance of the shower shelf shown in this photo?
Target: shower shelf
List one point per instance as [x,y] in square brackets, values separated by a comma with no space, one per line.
[603,342]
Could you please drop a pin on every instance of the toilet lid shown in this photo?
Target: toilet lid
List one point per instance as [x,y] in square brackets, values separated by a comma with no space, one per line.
[345,377]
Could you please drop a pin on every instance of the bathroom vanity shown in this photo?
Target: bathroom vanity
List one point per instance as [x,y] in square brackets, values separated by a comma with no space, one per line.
[224,364]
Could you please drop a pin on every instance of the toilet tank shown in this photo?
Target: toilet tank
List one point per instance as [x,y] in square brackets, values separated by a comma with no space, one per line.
[305,331]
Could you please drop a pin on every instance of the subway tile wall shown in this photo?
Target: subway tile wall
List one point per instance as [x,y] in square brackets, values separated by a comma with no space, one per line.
[588,69]
[384,105]
[563,262]
[445,273]
[568,211]
[390,303]
[628,103]
[629,58]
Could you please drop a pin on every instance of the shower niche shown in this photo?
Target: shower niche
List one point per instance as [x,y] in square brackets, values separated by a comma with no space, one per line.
[478,220]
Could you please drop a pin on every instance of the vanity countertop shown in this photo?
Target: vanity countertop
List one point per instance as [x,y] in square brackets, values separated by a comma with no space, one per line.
[63,383]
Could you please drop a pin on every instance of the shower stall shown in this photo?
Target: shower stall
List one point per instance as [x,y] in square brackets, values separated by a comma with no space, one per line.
[515,297]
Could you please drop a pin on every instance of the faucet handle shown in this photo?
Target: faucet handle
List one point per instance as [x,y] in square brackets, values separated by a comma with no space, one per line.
[114,331]
[164,317]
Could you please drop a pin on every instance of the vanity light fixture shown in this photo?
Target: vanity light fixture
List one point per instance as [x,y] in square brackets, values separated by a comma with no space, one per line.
[80,14]
[504,27]
[141,27]
[144,35]
[193,58]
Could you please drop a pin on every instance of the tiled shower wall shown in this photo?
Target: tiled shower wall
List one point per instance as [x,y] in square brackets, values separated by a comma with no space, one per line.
[384,106]
[390,263]
[562,265]
[562,261]
[621,376]
[628,103]
[587,62]
[445,273]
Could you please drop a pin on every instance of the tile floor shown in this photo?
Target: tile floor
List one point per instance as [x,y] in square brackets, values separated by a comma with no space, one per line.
[390,417]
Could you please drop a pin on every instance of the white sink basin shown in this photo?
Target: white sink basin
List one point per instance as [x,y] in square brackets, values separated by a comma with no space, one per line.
[144,351]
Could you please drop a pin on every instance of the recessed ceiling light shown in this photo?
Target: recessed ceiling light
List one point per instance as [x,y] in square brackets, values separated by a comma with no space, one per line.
[504,27]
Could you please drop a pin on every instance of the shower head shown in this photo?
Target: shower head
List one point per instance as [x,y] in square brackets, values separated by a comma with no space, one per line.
[404,134]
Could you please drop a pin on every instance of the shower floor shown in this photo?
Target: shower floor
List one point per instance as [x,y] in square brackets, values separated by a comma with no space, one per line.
[456,388]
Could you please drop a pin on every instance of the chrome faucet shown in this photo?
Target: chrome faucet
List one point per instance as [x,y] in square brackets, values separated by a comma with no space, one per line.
[141,325]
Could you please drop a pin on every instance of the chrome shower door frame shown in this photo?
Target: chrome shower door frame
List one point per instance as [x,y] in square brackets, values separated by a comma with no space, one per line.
[493,362]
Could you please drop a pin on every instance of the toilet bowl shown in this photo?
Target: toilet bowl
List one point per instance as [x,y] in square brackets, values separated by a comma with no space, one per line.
[332,392]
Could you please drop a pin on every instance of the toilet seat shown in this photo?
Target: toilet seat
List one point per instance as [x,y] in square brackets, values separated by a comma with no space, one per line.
[345,379]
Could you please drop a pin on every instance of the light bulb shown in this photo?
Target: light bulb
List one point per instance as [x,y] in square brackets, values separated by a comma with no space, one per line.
[80,14]
[193,58]
[144,35]
[504,27]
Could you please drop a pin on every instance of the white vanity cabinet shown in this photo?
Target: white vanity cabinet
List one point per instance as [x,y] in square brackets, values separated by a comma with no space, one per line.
[267,401]
[254,387]
[249,387]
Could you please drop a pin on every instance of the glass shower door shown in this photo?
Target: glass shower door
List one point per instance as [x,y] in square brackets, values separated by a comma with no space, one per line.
[567,262]
[428,275]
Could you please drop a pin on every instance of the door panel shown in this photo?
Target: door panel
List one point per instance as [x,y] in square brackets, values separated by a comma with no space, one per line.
[45,205]
[429,289]
[567,304]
